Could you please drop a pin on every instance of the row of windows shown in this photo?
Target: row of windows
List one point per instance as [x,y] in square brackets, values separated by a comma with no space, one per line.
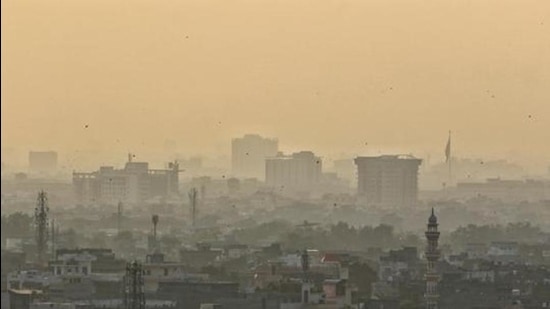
[69,270]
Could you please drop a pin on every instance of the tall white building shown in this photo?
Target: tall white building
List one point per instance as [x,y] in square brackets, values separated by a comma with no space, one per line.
[248,155]
[299,171]
[388,180]
[133,184]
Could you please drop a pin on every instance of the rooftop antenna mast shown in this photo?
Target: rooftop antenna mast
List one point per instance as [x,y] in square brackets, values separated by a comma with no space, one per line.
[41,226]
[305,263]
[134,296]
[306,286]
[193,201]
[155,221]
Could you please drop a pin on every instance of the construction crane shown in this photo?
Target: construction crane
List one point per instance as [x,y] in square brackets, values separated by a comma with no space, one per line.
[173,181]
[41,226]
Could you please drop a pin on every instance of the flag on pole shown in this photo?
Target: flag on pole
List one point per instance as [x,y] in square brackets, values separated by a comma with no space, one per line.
[448,149]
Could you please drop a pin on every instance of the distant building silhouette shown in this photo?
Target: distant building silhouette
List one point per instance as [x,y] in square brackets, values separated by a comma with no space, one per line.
[248,155]
[299,171]
[133,184]
[507,190]
[468,170]
[42,161]
[388,180]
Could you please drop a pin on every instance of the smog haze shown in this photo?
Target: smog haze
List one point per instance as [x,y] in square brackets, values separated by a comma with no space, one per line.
[335,77]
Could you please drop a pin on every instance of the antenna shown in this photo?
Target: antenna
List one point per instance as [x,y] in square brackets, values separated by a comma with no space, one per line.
[306,288]
[154,245]
[155,220]
[134,296]
[41,225]
[305,262]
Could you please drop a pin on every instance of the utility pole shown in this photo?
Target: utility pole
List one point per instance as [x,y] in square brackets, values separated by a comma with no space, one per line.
[306,285]
[155,221]
[53,239]
[41,226]
[154,243]
[193,202]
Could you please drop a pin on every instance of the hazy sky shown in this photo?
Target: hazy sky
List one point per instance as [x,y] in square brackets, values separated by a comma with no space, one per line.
[324,75]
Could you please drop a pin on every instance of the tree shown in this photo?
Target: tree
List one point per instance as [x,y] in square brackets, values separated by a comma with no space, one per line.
[361,275]
[68,239]
[17,225]
[98,240]
[125,242]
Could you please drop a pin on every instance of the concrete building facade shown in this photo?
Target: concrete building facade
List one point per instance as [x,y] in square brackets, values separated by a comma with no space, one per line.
[248,155]
[299,171]
[388,180]
[133,184]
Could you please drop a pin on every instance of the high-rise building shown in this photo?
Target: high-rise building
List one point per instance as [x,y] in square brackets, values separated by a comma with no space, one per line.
[248,155]
[299,171]
[43,161]
[132,184]
[432,257]
[388,180]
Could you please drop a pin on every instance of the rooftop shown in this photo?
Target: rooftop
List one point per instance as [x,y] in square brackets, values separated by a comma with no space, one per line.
[390,157]
[25,292]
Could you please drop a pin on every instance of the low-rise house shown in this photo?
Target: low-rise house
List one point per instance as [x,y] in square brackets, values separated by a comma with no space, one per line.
[204,255]
[402,264]
[503,251]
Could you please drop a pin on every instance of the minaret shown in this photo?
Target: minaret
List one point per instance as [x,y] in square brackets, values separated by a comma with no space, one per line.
[432,256]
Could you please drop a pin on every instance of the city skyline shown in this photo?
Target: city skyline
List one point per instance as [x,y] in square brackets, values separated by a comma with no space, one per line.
[245,154]
[15,159]
[395,88]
